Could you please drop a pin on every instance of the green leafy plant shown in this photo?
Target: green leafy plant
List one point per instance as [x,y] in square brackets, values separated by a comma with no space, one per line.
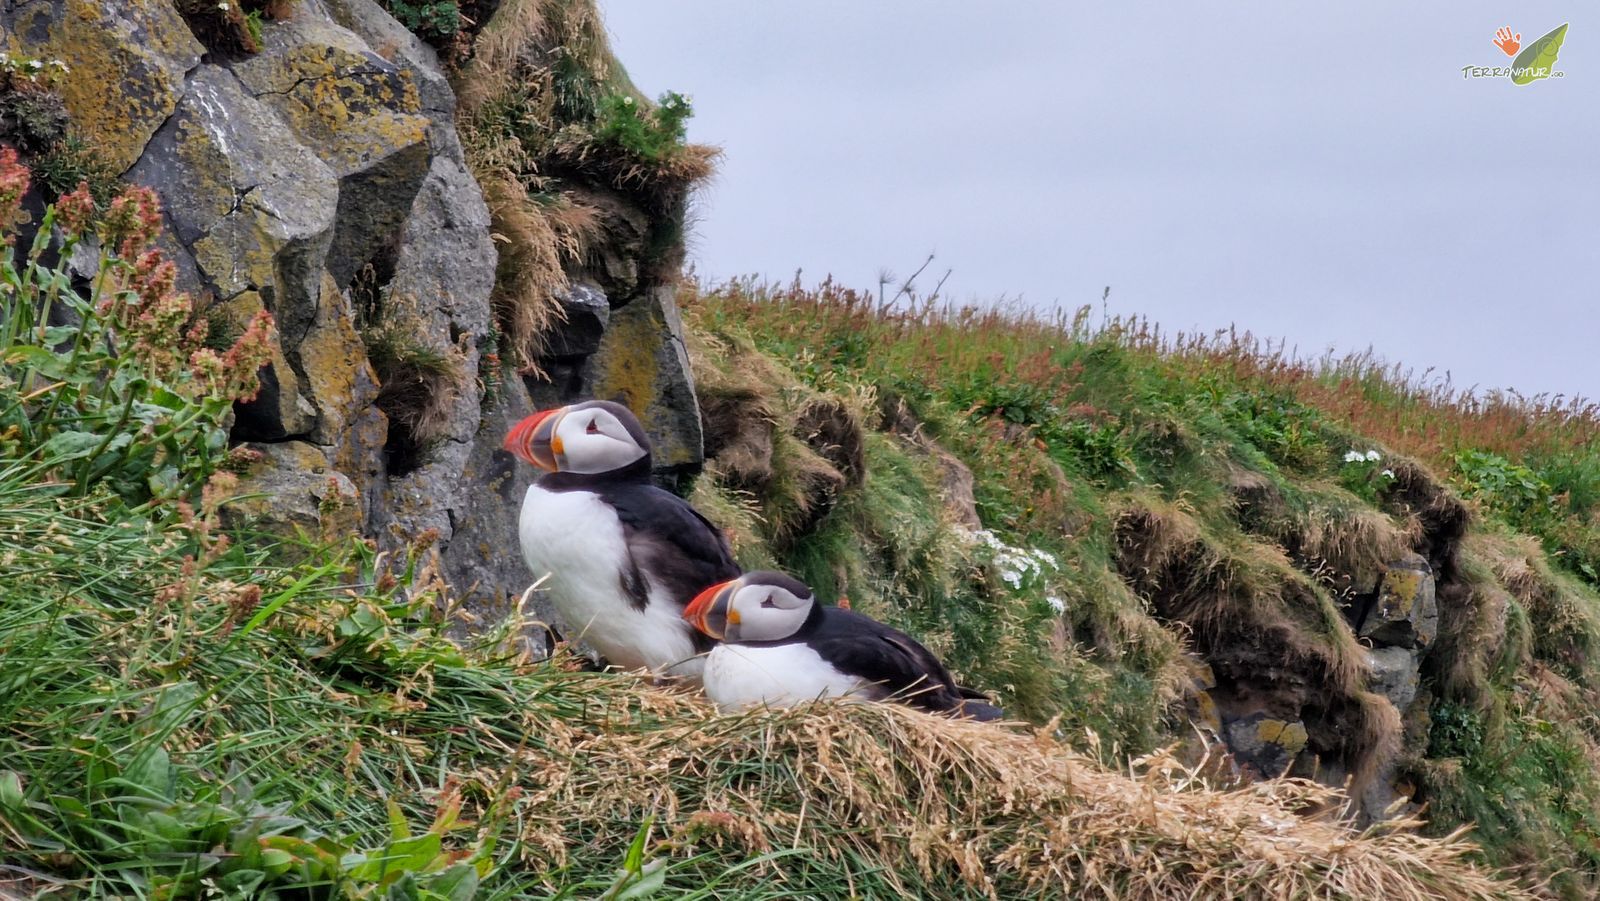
[1364,474]
[1507,486]
[431,20]
[653,133]
[110,380]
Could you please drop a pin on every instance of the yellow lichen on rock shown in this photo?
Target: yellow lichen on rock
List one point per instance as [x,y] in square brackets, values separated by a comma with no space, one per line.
[126,62]
[338,377]
[1291,737]
[630,377]
[350,109]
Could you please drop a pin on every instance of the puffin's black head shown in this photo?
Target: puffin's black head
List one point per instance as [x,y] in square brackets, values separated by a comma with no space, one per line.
[758,606]
[593,437]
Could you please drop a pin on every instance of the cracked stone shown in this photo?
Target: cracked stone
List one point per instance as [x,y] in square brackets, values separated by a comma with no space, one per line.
[141,48]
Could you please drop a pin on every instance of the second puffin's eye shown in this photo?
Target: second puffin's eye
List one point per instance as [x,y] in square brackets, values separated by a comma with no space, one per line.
[768,602]
[593,429]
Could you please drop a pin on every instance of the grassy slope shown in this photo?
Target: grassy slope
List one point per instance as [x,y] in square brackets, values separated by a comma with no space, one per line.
[1198,498]
[239,729]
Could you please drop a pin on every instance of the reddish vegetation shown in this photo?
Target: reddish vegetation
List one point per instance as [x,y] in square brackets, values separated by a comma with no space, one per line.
[1419,414]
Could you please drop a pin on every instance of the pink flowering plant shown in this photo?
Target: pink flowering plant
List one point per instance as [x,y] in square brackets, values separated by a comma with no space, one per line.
[111,381]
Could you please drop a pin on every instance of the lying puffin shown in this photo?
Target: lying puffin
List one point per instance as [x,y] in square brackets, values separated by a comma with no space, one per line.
[623,555]
[780,647]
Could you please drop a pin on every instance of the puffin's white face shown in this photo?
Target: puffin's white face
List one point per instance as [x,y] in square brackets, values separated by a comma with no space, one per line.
[760,606]
[591,438]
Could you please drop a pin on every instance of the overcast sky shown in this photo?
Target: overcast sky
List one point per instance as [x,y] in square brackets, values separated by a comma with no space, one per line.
[1318,172]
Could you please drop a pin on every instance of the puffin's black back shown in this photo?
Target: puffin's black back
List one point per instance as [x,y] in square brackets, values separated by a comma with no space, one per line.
[863,647]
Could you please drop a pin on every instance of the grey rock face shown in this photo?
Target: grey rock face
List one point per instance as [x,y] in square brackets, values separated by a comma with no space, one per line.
[295,491]
[1406,611]
[323,180]
[643,364]
[1395,674]
[587,313]
[484,559]
[1262,745]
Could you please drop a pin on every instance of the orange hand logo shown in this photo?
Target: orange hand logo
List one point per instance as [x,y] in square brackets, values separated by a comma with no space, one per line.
[1508,42]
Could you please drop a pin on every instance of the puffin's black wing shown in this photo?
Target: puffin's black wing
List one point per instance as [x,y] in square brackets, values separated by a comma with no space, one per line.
[865,648]
[680,549]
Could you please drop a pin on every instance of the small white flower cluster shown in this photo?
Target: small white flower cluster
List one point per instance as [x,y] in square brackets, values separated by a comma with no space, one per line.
[32,67]
[1368,456]
[1016,565]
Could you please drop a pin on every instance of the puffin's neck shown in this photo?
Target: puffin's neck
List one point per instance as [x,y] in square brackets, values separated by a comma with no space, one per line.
[636,472]
[813,620]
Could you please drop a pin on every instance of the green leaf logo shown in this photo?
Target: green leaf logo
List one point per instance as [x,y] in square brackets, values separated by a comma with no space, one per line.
[1538,60]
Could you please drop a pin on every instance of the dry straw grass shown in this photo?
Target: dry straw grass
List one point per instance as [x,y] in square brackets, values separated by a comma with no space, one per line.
[530,276]
[516,25]
[962,809]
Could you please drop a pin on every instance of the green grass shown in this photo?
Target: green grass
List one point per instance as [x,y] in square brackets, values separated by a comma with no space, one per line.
[185,719]
[184,714]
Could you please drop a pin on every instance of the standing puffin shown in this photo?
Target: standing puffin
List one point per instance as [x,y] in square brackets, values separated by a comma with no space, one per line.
[623,556]
[780,647]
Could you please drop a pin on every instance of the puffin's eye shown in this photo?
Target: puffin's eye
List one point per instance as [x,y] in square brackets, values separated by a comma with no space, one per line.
[592,429]
[768,602]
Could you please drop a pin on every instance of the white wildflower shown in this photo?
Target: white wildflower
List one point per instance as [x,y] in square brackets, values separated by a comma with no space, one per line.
[1354,456]
[1056,604]
[627,101]
[1011,577]
[35,64]
[1046,557]
[223,5]
[1373,456]
[1388,473]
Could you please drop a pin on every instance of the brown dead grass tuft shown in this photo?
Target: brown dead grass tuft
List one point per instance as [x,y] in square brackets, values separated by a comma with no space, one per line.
[828,426]
[1566,628]
[1220,591]
[1436,513]
[958,808]
[515,25]
[661,183]
[529,275]
[738,393]
[1474,633]
[1268,630]
[1352,539]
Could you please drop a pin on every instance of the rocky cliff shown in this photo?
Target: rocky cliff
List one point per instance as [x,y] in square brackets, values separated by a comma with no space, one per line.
[308,158]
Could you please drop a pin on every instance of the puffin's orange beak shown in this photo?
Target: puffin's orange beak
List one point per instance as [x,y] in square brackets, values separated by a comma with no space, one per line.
[709,611]
[533,440]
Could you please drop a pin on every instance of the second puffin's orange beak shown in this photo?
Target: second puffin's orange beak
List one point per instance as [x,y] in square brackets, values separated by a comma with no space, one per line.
[533,440]
[709,611]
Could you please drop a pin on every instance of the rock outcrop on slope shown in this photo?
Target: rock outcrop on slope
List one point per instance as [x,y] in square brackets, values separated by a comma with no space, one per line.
[323,179]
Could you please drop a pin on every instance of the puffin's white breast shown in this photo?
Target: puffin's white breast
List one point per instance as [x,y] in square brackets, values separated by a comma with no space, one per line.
[739,676]
[575,536]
